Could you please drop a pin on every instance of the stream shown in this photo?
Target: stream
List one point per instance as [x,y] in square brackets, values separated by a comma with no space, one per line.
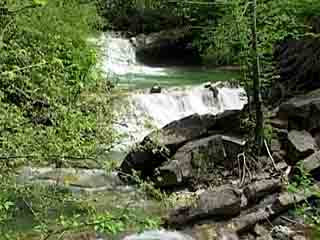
[183,93]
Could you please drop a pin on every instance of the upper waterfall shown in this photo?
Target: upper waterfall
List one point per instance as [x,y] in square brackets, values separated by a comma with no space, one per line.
[119,57]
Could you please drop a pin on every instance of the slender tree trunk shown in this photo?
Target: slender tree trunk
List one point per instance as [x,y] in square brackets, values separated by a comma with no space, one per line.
[256,80]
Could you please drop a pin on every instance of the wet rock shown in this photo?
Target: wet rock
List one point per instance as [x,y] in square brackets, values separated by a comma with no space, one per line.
[161,145]
[222,204]
[300,145]
[155,89]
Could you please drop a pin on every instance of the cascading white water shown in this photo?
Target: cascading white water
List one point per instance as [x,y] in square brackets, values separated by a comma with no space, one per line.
[157,110]
[144,112]
[119,57]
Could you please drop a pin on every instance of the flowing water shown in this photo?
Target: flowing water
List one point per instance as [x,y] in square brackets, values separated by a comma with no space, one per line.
[183,94]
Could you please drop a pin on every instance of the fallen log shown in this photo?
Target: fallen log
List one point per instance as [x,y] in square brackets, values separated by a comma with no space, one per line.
[219,204]
[284,201]
[257,190]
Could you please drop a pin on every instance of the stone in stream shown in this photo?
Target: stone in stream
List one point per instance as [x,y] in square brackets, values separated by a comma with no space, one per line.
[300,145]
[159,146]
[155,89]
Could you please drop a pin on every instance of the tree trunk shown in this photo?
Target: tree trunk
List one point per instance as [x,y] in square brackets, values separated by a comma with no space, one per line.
[256,81]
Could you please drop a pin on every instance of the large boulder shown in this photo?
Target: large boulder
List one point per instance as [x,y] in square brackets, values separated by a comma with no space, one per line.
[194,158]
[168,47]
[300,145]
[302,112]
[198,159]
[161,145]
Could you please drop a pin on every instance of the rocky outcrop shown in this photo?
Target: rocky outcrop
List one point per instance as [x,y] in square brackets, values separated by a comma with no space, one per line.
[161,145]
[168,47]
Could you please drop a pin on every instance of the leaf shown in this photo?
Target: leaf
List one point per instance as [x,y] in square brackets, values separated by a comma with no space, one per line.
[40,2]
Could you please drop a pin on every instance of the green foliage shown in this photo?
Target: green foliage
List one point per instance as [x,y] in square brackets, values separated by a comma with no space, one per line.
[47,79]
[310,212]
[54,104]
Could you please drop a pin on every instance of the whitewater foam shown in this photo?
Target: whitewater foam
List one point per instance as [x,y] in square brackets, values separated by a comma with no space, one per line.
[145,112]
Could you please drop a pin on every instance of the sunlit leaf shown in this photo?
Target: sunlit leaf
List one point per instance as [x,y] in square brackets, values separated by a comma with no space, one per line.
[40,2]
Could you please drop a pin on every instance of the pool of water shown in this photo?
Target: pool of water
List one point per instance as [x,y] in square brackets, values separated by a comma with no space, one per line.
[174,77]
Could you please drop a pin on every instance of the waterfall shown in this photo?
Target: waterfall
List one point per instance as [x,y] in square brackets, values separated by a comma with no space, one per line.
[145,112]
[119,57]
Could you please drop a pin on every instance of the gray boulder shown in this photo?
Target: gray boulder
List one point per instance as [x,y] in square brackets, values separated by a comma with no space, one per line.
[302,112]
[195,158]
[198,159]
[300,145]
[161,145]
